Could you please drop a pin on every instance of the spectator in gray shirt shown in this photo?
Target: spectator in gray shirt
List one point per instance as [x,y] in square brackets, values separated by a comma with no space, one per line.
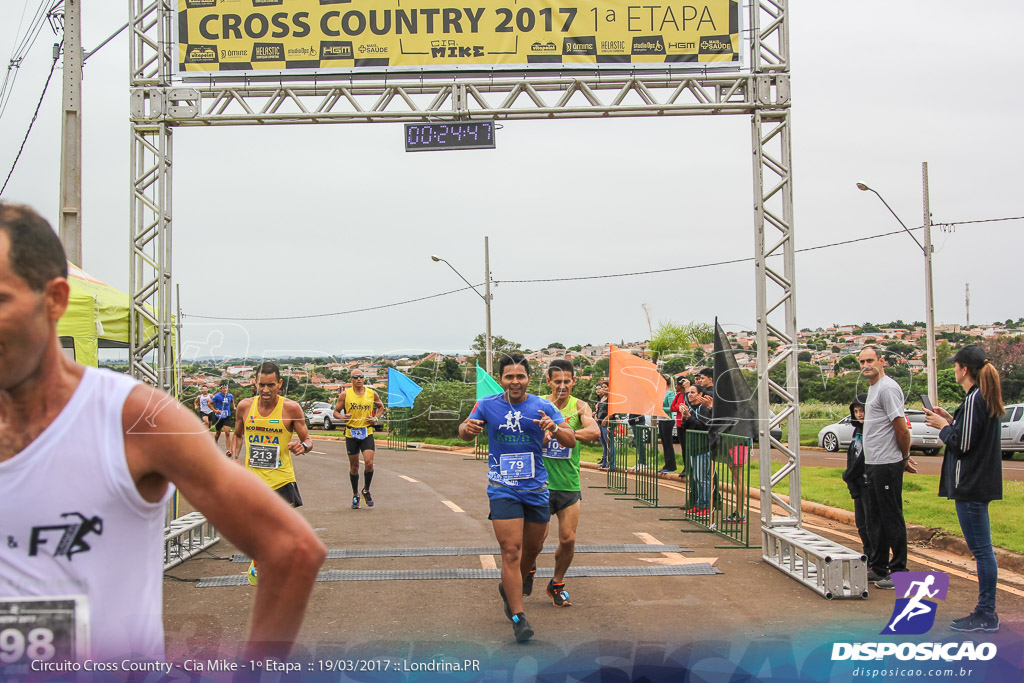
[886,456]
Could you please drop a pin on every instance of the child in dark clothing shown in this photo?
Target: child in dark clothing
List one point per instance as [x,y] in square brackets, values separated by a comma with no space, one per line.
[855,475]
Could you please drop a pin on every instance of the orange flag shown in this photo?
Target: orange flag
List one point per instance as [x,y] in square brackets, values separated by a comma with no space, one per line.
[634,385]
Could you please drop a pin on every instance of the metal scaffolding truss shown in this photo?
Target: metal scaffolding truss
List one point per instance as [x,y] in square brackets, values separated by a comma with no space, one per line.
[160,103]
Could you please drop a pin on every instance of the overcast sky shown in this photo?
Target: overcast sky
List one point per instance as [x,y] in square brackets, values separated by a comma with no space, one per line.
[296,220]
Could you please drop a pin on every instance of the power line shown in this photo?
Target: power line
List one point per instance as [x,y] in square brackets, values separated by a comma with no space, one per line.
[598,277]
[30,123]
[328,315]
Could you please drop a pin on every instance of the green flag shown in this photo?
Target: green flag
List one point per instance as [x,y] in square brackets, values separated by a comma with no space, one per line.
[485,384]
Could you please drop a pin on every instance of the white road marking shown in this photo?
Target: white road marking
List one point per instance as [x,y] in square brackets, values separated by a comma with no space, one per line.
[402,476]
[670,558]
[318,452]
[453,506]
[487,562]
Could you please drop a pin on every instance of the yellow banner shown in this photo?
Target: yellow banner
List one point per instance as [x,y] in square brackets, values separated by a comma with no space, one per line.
[230,36]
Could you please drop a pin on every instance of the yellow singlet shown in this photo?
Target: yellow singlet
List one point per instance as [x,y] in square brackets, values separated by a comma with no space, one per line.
[359,409]
[266,445]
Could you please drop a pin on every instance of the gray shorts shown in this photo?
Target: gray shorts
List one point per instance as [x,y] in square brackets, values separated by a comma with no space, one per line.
[559,500]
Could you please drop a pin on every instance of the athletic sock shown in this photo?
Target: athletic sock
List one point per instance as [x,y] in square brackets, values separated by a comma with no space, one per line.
[367,478]
[354,478]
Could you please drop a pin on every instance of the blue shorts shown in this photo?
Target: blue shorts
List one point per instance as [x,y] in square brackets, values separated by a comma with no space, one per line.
[510,507]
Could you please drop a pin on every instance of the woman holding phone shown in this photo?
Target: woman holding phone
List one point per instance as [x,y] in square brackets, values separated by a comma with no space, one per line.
[972,471]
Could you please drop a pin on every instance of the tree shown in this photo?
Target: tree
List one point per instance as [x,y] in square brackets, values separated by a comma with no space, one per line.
[674,366]
[440,408]
[499,347]
[847,362]
[577,348]
[804,357]
[452,371]
[1006,353]
[949,390]
[674,338]
[942,353]
[581,362]
[600,368]
[555,345]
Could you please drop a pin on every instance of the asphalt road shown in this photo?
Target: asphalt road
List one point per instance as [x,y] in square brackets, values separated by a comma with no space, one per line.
[431,499]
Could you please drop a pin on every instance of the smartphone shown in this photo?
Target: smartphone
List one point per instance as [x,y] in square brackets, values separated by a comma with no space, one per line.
[927,402]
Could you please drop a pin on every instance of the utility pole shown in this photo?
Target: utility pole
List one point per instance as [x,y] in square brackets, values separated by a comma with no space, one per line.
[967,302]
[487,301]
[70,214]
[933,370]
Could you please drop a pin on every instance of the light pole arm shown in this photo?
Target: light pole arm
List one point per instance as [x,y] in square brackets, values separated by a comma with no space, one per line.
[471,285]
[865,187]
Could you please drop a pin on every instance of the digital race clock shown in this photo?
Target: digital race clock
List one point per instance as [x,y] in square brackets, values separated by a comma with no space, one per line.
[429,137]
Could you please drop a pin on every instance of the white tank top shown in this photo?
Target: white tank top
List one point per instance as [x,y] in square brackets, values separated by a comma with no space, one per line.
[72,523]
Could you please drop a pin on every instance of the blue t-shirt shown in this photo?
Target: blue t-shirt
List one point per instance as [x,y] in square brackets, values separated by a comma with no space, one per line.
[222,404]
[511,430]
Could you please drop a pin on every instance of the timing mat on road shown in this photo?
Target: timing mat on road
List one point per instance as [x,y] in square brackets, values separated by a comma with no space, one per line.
[695,569]
[350,553]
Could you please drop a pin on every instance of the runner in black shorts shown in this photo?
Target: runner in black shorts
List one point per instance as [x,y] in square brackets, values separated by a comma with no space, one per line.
[359,408]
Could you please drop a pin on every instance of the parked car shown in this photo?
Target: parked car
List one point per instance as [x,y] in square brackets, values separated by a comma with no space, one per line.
[1013,430]
[321,414]
[922,437]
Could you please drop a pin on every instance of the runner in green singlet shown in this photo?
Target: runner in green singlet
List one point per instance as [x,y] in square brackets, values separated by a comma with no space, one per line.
[563,466]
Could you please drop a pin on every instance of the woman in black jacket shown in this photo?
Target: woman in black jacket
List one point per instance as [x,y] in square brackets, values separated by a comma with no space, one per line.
[854,475]
[972,472]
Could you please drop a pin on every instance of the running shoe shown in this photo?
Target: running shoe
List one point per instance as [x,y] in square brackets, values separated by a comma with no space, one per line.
[504,599]
[559,596]
[368,498]
[976,622]
[252,573]
[885,584]
[521,628]
[528,581]
[227,453]
[355,502]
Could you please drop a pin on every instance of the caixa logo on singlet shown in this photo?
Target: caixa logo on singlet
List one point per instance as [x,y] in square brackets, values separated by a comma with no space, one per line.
[64,540]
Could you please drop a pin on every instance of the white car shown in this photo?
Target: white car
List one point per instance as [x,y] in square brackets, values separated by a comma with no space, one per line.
[1013,430]
[321,414]
[922,437]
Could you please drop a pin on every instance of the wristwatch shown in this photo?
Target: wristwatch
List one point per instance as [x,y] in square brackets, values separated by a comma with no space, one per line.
[307,447]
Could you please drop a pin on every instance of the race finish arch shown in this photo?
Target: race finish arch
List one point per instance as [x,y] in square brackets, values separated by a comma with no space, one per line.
[262,62]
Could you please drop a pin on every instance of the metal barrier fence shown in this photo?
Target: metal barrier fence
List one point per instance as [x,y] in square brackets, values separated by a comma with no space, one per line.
[618,434]
[398,429]
[649,460]
[480,448]
[718,483]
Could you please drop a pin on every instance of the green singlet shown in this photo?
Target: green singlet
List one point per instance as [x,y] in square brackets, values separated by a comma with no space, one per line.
[564,473]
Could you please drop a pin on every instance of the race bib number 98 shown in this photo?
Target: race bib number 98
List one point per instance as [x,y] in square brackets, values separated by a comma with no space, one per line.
[43,629]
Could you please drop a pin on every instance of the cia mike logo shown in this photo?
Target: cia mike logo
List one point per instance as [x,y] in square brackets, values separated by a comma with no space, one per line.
[914,613]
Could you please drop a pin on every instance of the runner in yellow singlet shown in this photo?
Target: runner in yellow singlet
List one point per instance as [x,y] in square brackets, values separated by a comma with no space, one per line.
[266,423]
[359,408]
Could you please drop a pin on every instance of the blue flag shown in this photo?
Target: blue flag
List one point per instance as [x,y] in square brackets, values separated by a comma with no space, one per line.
[402,391]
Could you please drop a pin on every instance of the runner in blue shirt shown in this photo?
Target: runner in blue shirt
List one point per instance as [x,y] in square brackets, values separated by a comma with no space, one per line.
[516,478]
[223,402]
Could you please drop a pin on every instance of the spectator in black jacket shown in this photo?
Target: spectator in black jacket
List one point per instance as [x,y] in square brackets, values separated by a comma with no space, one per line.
[972,472]
[855,475]
[697,416]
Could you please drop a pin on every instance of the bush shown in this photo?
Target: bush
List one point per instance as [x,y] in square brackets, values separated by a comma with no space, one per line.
[440,408]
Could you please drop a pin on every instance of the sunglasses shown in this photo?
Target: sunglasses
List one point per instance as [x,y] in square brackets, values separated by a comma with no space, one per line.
[357,377]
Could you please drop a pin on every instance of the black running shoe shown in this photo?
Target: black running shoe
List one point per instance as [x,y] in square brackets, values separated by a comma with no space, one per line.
[521,628]
[559,596]
[976,622]
[528,581]
[368,498]
[355,502]
[504,599]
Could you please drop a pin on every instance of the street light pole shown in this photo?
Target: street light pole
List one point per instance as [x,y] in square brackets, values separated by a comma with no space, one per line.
[487,298]
[926,249]
[487,302]
[933,370]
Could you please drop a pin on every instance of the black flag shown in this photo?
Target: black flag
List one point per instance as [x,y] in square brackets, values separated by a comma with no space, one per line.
[734,412]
